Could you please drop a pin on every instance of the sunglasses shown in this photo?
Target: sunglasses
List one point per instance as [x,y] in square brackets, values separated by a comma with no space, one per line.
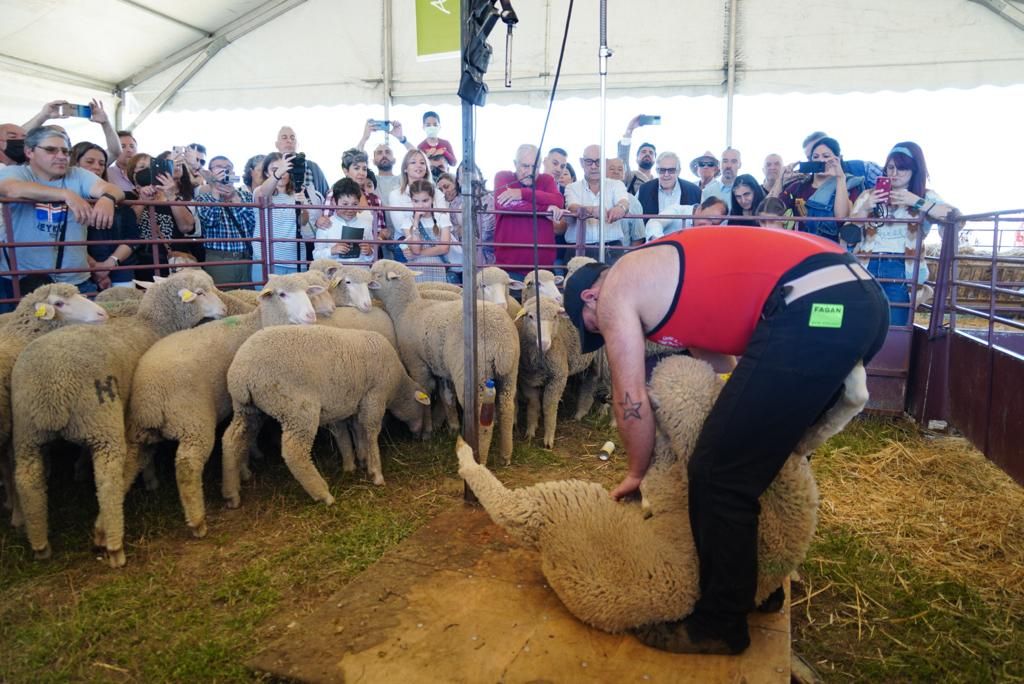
[49,149]
[671,169]
[707,164]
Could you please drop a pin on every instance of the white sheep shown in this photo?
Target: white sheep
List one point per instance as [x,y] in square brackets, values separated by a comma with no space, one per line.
[189,409]
[350,286]
[431,342]
[305,377]
[93,366]
[576,263]
[546,366]
[652,576]
[549,283]
[494,284]
[43,310]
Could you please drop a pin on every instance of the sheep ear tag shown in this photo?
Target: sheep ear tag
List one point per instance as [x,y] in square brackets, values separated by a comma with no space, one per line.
[522,312]
[335,281]
[422,398]
[45,312]
[186,295]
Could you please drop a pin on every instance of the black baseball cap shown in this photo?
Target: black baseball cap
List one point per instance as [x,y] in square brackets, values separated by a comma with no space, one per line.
[583,279]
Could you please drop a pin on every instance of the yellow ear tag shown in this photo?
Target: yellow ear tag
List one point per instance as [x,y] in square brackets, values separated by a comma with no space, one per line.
[187,295]
[725,376]
[522,312]
[44,311]
[422,397]
[335,281]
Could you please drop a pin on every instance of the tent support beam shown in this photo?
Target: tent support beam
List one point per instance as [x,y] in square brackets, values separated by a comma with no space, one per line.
[1007,11]
[34,70]
[229,33]
[178,83]
[730,87]
[166,17]
[387,63]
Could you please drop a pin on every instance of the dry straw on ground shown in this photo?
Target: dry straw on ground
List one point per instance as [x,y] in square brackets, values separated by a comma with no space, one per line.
[941,503]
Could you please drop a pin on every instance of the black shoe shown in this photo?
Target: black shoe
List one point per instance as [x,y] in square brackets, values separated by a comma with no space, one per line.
[689,636]
[773,604]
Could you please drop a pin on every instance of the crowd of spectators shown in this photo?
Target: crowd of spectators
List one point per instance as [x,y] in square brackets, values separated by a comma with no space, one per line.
[206,213]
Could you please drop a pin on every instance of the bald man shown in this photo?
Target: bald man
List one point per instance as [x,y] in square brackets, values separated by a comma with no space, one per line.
[287,142]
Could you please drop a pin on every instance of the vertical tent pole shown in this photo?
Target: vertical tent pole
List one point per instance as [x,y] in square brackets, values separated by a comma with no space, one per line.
[603,54]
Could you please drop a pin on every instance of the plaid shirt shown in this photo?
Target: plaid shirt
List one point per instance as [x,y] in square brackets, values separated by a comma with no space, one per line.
[222,224]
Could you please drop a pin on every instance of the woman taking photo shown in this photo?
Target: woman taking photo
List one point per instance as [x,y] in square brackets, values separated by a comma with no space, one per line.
[287,223]
[828,193]
[156,222]
[910,201]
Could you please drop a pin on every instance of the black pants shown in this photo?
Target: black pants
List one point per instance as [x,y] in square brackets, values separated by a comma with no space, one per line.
[787,378]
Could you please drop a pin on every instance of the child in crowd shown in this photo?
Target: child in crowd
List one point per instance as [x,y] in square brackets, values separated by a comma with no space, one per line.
[424,229]
[433,145]
[347,223]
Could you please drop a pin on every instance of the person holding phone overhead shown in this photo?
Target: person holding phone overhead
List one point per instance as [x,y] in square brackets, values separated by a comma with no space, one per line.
[94,111]
[827,193]
[900,194]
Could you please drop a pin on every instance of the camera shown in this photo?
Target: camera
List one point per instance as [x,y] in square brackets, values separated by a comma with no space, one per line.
[81,111]
[811,167]
[178,150]
[649,120]
[381,124]
[298,170]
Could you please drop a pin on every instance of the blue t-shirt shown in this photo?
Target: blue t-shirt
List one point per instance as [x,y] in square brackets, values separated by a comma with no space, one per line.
[41,221]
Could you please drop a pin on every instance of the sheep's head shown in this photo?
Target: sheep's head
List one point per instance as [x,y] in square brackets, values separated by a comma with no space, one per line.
[493,285]
[286,300]
[60,303]
[409,403]
[549,283]
[394,281]
[576,263]
[551,315]
[323,302]
[190,294]
[354,284]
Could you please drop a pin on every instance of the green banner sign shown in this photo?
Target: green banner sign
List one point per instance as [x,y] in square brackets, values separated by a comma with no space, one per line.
[437,29]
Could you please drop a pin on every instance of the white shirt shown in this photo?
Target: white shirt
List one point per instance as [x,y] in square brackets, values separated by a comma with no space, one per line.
[322,249]
[580,193]
[669,199]
[897,238]
[402,220]
[660,227]
[717,189]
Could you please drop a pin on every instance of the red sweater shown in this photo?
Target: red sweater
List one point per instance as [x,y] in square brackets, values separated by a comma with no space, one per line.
[726,274]
[519,229]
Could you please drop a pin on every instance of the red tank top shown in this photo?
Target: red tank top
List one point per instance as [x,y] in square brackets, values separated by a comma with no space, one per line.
[726,275]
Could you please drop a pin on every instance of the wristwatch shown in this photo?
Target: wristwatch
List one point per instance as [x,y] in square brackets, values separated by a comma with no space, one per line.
[919,203]
[117,262]
[402,139]
[109,197]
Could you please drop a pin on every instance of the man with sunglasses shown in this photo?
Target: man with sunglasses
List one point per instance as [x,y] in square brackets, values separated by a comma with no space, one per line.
[705,168]
[668,189]
[58,210]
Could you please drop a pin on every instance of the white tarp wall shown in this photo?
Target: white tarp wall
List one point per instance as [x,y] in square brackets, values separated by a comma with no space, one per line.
[327,52]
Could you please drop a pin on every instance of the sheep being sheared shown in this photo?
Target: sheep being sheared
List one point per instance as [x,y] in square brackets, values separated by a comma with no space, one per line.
[652,575]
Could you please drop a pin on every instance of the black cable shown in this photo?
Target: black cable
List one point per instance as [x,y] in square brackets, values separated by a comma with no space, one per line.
[536,166]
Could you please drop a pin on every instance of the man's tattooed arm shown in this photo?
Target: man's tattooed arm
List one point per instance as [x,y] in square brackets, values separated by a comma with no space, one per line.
[630,408]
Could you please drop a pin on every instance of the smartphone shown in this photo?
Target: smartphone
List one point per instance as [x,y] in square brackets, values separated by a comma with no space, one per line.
[81,111]
[161,166]
[811,167]
[298,170]
[883,184]
[178,150]
[231,180]
[649,120]
[381,124]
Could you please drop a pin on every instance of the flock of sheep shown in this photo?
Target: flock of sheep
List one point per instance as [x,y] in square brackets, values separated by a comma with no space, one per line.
[314,350]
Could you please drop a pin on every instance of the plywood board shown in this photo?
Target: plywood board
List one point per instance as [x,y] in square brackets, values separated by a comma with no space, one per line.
[459,602]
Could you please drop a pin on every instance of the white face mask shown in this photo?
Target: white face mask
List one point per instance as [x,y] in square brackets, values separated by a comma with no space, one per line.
[432,131]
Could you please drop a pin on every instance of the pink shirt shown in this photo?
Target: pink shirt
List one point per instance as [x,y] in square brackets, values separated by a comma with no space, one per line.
[519,228]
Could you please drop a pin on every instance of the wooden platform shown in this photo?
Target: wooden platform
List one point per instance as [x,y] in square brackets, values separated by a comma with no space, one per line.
[457,602]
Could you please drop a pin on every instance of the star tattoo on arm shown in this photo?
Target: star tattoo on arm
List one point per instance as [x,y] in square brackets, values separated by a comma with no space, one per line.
[630,408]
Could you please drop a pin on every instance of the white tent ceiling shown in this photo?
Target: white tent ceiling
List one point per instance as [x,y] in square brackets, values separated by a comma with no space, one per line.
[215,54]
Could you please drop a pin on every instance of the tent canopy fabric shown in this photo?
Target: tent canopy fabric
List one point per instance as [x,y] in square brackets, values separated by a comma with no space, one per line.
[186,55]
